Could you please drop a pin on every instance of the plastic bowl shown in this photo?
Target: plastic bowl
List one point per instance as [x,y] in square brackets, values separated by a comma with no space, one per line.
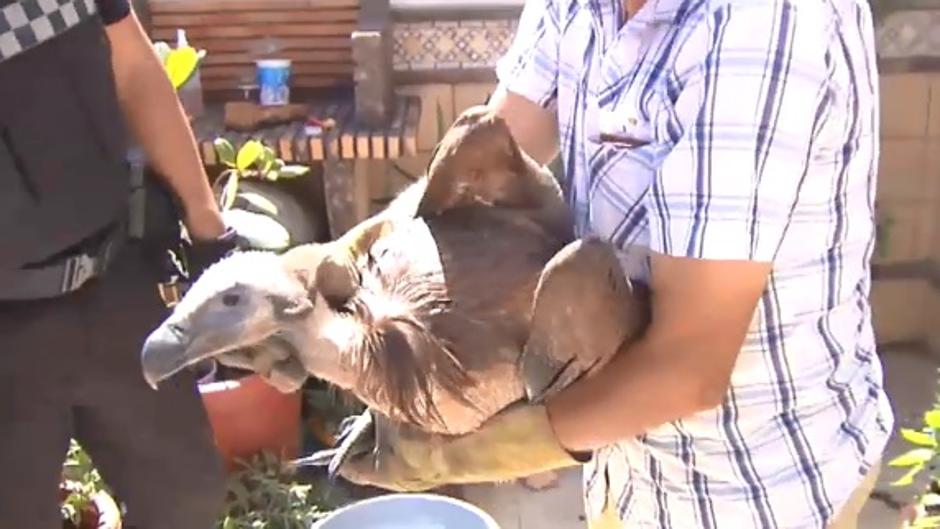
[408,511]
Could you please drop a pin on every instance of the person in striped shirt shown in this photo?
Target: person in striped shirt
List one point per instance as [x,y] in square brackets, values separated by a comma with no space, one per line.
[728,150]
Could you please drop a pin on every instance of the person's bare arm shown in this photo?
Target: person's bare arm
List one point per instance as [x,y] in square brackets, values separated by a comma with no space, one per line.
[701,312]
[533,127]
[157,120]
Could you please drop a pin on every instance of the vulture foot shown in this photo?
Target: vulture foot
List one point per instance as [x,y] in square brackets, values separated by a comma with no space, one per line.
[584,310]
[364,447]
[357,437]
[516,443]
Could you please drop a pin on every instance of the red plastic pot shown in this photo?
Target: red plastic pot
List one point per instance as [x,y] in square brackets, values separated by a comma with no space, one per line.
[249,416]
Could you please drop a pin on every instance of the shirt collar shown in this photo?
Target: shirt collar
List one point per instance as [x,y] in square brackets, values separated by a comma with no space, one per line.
[666,10]
[653,11]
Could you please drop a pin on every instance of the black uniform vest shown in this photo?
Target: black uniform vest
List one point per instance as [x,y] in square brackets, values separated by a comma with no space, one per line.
[63,170]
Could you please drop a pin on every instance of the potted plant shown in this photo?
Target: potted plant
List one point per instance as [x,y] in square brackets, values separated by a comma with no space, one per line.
[265,494]
[248,416]
[251,193]
[924,511]
[85,502]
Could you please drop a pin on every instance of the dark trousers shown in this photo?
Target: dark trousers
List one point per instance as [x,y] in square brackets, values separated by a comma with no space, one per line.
[70,367]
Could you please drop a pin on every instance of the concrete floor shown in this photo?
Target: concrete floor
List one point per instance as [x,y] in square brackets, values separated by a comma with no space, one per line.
[911,380]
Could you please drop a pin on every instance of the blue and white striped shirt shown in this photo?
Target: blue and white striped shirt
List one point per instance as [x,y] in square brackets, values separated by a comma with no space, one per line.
[754,127]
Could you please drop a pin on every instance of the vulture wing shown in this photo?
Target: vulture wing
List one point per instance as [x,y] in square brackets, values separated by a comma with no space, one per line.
[584,309]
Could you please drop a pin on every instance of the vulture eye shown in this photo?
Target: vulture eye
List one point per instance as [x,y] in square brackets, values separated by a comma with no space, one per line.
[230,300]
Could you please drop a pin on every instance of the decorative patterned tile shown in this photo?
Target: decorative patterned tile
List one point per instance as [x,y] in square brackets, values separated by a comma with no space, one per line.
[478,43]
[914,33]
[450,44]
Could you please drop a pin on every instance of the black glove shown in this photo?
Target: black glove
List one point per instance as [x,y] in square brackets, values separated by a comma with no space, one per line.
[201,254]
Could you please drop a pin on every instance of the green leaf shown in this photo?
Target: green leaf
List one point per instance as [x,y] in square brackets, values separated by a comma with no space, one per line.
[230,191]
[927,522]
[261,202]
[266,160]
[917,456]
[261,232]
[293,171]
[225,151]
[930,499]
[908,477]
[932,419]
[249,154]
[919,438]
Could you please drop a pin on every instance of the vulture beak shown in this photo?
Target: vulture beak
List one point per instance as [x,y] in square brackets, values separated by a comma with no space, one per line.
[165,352]
[171,347]
[236,304]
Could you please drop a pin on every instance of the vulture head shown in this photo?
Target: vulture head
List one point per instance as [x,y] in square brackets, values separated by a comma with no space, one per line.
[252,310]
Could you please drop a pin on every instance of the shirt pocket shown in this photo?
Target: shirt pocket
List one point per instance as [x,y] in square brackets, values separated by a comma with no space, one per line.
[622,146]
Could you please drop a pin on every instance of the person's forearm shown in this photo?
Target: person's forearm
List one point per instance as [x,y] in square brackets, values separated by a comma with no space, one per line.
[646,385]
[156,118]
[534,128]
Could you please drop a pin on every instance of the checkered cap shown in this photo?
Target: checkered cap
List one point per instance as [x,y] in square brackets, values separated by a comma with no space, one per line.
[25,24]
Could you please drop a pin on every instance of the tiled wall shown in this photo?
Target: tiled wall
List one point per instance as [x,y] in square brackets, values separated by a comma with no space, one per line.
[424,46]
[906,291]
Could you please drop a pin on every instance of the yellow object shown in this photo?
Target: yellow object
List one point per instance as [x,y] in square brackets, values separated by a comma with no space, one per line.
[181,64]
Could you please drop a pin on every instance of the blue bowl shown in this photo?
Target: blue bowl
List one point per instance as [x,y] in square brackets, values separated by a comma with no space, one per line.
[408,511]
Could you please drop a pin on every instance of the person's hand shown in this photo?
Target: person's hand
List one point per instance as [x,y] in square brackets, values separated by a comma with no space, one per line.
[204,223]
[240,230]
[201,253]
[376,451]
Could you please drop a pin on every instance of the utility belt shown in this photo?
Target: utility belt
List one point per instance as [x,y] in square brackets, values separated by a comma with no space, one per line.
[151,223]
[67,274]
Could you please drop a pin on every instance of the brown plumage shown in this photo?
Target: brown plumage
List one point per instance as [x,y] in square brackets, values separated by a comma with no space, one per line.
[466,294]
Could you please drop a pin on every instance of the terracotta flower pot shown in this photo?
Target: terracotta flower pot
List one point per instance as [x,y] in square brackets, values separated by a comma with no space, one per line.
[248,416]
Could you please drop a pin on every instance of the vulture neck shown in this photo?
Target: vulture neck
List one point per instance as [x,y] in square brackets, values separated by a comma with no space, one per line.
[322,344]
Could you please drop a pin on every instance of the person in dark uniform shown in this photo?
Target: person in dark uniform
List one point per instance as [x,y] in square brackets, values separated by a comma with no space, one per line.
[77,293]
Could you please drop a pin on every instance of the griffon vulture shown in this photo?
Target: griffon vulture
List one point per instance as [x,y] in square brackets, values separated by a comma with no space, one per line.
[467,293]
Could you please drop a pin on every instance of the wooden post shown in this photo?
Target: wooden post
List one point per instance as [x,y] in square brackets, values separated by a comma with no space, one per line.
[372,57]
[338,190]
[142,10]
